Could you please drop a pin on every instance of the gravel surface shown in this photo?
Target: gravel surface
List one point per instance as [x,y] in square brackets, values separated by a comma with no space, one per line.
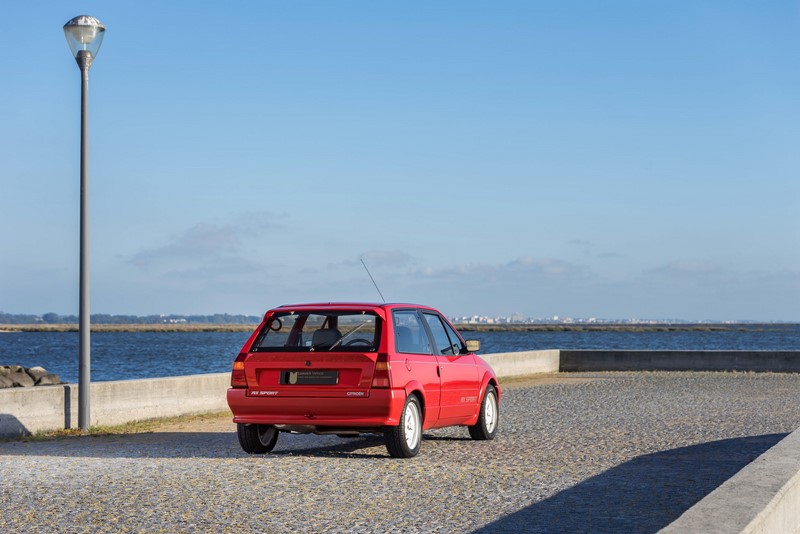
[593,452]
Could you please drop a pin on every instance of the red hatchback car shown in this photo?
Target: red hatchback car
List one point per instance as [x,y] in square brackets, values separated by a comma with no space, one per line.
[352,368]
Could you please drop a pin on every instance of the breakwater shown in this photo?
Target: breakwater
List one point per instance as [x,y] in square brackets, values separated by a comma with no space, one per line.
[16,376]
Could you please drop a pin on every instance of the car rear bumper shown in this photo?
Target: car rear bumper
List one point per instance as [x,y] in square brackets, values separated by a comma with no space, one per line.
[383,407]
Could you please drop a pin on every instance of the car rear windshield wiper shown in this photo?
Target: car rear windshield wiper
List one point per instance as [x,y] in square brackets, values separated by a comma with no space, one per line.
[339,341]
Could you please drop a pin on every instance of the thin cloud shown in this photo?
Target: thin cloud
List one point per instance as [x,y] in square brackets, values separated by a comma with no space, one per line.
[377,258]
[208,242]
[546,266]
[199,242]
[689,268]
[701,289]
[396,258]
[259,223]
[523,266]
[219,270]
[590,250]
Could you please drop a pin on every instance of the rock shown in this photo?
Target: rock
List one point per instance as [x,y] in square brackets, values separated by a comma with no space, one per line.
[36,373]
[21,379]
[48,379]
[16,376]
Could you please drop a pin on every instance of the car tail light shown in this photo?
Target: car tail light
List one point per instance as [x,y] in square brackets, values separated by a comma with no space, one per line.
[238,378]
[381,378]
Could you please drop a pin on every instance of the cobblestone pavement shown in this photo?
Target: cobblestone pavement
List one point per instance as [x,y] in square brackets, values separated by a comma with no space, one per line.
[600,452]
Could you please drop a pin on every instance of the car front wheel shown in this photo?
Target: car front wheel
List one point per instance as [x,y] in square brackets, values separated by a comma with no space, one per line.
[257,439]
[486,427]
[403,440]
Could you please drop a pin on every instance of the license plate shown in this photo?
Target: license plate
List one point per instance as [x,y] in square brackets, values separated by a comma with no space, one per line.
[310,378]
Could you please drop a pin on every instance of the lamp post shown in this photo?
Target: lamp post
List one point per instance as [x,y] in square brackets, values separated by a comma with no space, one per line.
[84,35]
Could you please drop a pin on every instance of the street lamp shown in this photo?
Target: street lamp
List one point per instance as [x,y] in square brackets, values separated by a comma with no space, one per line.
[84,35]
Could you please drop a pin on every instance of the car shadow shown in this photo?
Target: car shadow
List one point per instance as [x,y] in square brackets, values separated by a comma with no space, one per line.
[642,495]
[201,445]
[346,447]
[447,438]
[190,445]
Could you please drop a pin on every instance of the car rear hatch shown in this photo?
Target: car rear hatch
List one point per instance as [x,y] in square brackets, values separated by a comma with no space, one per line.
[310,374]
[314,352]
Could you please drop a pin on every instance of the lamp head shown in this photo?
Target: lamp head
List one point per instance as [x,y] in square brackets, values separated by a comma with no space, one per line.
[84,35]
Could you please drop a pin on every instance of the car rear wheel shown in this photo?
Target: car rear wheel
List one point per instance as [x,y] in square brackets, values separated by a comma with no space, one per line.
[403,440]
[486,427]
[257,439]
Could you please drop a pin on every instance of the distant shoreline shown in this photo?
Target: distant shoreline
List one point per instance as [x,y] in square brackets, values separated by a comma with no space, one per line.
[100,327]
[606,327]
[620,327]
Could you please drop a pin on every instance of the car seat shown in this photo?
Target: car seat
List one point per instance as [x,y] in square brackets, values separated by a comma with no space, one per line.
[325,337]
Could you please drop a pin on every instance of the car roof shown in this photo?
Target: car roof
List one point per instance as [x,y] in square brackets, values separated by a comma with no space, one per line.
[353,306]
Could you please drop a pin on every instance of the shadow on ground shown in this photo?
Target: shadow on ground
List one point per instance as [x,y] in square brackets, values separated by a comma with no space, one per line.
[192,445]
[11,426]
[642,495]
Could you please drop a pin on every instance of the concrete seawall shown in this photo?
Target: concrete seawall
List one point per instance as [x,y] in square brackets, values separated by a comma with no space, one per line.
[684,360]
[523,363]
[28,410]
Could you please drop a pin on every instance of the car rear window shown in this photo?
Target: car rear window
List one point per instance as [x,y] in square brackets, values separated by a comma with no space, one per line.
[337,331]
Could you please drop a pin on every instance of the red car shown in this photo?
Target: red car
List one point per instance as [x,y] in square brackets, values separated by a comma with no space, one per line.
[352,368]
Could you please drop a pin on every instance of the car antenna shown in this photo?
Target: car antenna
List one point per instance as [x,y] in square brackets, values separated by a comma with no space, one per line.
[373,280]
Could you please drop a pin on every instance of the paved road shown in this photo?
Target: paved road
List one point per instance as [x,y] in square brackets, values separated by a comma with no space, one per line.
[601,452]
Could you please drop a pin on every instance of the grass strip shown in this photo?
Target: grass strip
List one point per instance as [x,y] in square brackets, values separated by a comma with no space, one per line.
[144,426]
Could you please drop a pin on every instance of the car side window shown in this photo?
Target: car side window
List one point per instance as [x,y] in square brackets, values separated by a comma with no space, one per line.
[409,333]
[440,337]
[455,340]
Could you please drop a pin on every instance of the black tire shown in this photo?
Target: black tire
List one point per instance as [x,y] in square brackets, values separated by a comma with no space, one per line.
[257,439]
[486,427]
[404,440]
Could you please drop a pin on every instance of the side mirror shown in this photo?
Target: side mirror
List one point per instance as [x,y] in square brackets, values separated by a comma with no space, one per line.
[473,345]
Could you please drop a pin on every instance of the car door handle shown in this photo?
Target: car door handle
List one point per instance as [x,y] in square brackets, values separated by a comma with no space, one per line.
[438,371]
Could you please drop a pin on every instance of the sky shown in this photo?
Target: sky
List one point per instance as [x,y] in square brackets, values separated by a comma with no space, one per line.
[615,159]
